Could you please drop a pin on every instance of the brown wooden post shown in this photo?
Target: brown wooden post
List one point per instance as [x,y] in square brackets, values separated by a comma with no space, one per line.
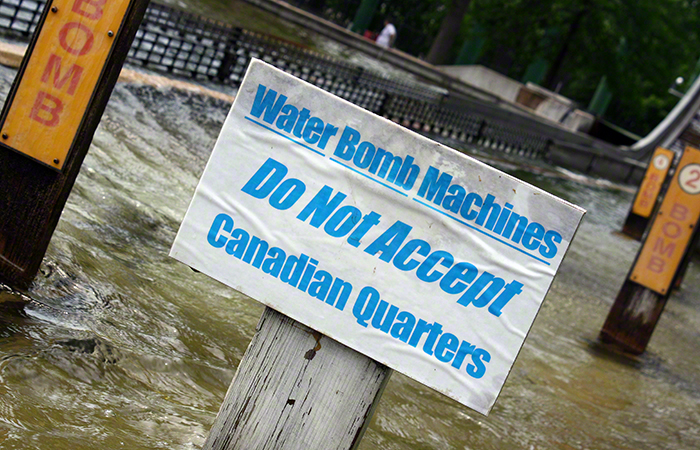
[49,118]
[649,191]
[640,302]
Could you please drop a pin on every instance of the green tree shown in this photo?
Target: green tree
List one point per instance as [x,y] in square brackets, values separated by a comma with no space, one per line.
[449,29]
[641,46]
[416,21]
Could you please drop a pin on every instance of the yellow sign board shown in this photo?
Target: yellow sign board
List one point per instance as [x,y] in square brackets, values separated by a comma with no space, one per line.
[672,228]
[651,184]
[60,77]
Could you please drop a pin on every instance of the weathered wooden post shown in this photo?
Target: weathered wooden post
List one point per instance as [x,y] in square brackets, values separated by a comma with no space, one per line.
[297,386]
[396,252]
[641,300]
[649,189]
[50,116]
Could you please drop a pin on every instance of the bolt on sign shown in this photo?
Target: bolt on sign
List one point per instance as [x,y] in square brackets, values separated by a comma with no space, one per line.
[59,79]
[407,251]
[653,180]
[672,229]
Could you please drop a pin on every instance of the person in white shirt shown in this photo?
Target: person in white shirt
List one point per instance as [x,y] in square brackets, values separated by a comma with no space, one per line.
[387,35]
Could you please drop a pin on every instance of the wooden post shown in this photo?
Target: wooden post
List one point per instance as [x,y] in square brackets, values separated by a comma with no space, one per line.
[685,263]
[34,183]
[275,228]
[649,191]
[633,317]
[296,388]
[640,302]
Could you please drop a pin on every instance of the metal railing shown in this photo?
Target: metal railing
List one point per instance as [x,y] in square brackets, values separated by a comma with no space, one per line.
[20,17]
[191,46]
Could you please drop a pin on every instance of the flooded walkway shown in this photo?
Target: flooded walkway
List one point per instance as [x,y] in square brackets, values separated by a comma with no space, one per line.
[118,346]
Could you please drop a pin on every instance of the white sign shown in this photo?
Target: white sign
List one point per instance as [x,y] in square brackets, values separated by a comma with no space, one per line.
[689,179]
[409,252]
[661,162]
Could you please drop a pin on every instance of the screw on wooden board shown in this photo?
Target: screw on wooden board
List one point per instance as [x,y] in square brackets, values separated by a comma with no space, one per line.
[110,33]
[56,160]
[54,9]
[5,136]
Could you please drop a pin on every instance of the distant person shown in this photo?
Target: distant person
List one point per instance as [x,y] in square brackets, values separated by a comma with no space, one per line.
[387,36]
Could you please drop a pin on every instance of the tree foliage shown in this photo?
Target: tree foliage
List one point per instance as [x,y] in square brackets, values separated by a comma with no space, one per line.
[640,45]
[417,21]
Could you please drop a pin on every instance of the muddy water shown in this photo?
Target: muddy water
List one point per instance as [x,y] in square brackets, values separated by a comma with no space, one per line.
[118,346]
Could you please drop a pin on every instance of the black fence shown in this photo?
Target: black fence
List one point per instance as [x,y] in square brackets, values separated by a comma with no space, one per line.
[20,17]
[191,46]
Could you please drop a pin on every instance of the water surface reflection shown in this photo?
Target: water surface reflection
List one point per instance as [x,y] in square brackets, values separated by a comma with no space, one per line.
[120,346]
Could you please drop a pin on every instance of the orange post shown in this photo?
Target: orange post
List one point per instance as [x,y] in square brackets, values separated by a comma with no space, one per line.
[646,198]
[646,290]
[48,120]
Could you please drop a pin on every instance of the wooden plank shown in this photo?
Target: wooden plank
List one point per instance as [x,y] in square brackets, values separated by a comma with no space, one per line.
[296,388]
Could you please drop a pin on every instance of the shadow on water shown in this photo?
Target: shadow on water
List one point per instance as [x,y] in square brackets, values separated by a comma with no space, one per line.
[604,351]
[118,346]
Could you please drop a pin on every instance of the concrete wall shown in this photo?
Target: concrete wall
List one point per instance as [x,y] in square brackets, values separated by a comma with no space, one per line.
[579,120]
[561,109]
[543,102]
[623,170]
[486,79]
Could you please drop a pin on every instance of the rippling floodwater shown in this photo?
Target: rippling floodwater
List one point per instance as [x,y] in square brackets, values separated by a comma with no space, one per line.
[118,346]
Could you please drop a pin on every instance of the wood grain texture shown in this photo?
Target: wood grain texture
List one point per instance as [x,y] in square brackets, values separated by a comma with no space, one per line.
[632,318]
[297,389]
